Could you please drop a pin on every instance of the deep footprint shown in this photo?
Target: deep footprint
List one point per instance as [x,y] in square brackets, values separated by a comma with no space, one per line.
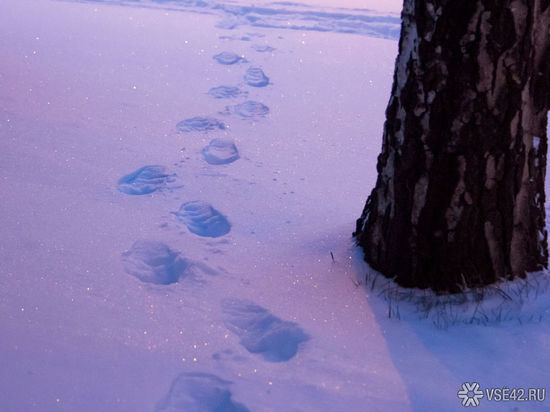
[202,219]
[251,108]
[228,58]
[261,332]
[226,92]
[154,262]
[200,124]
[145,180]
[256,77]
[200,392]
[220,152]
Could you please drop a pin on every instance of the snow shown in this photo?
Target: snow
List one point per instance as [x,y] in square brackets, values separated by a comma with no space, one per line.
[162,249]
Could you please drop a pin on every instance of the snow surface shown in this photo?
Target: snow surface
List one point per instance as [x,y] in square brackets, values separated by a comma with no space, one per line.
[137,275]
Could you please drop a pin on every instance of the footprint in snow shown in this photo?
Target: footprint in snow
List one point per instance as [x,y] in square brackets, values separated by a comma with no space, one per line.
[228,58]
[200,124]
[195,391]
[257,35]
[202,219]
[226,92]
[220,152]
[263,48]
[256,77]
[261,332]
[249,109]
[154,262]
[229,25]
[145,180]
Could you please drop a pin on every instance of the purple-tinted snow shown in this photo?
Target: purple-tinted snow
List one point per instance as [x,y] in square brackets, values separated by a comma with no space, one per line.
[251,296]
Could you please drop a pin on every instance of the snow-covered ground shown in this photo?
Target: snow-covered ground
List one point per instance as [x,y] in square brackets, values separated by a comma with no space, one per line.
[180,181]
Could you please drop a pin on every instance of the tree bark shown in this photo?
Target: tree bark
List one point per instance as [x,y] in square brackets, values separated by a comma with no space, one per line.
[459,199]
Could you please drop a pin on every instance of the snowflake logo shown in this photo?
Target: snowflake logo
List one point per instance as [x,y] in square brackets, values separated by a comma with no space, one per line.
[470,394]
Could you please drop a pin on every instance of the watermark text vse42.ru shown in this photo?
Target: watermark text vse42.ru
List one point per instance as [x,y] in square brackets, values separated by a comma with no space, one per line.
[471,394]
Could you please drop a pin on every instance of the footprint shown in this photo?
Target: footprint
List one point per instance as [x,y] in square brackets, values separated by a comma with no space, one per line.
[261,332]
[226,92]
[263,48]
[251,108]
[228,58]
[154,262]
[195,391]
[220,152]
[256,77]
[145,180]
[200,124]
[257,35]
[202,219]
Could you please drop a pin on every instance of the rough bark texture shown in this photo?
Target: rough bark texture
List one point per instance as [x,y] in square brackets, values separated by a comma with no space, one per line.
[459,198]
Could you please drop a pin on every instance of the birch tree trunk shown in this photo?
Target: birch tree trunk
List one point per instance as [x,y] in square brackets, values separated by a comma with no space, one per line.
[459,198]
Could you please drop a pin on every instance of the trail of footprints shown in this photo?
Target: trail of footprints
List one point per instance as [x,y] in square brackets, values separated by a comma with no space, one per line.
[259,332]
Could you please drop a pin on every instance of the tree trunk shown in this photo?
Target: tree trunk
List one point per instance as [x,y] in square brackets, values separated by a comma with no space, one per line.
[459,199]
